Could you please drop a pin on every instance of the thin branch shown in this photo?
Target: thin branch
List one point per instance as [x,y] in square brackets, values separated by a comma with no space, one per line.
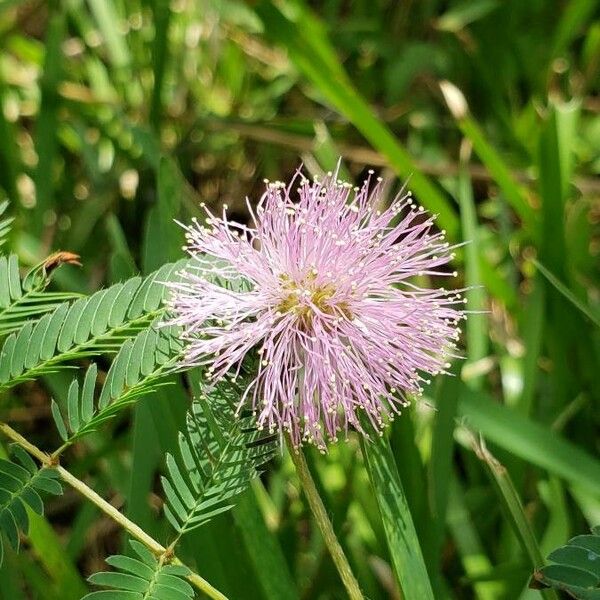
[134,530]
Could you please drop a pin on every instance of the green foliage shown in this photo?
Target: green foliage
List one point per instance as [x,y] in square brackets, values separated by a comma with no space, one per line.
[21,484]
[127,114]
[568,294]
[21,301]
[142,576]
[5,223]
[218,457]
[91,325]
[576,568]
[409,566]
[139,366]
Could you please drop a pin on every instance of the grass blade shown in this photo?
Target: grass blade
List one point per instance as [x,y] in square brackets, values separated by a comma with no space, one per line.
[530,440]
[568,294]
[162,18]
[46,139]
[513,508]
[474,559]
[487,153]
[476,325]
[404,546]
[263,550]
[311,52]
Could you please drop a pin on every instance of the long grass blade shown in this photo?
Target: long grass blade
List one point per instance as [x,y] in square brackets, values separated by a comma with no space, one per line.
[403,543]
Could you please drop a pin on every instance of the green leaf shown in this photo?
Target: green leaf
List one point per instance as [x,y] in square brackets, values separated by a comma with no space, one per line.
[303,35]
[93,325]
[513,508]
[476,324]
[143,577]
[5,222]
[59,421]
[577,556]
[24,300]
[403,543]
[219,455]
[19,487]
[130,565]
[562,576]
[568,294]
[138,368]
[530,440]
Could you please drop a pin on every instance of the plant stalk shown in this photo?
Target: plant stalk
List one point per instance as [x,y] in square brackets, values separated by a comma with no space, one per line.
[134,530]
[320,514]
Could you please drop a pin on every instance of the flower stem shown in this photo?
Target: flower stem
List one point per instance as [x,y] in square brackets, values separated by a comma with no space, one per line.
[134,530]
[320,514]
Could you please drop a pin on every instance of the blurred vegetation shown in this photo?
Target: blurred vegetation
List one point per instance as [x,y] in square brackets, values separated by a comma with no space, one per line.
[119,116]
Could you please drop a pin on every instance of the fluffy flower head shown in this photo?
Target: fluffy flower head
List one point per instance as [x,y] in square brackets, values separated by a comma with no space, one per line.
[321,288]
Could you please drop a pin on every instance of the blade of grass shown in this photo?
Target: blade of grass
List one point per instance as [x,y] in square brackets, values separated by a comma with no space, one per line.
[513,509]
[309,48]
[555,170]
[107,19]
[487,153]
[533,331]
[38,586]
[440,464]
[574,16]
[9,154]
[162,18]
[46,139]
[56,561]
[473,557]
[327,153]
[11,577]
[568,294]
[411,470]
[264,550]
[529,440]
[511,503]
[476,325]
[405,549]
[122,264]
[559,521]
[555,163]
[170,193]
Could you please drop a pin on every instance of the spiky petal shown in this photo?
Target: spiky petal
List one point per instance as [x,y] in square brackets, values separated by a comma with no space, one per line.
[322,287]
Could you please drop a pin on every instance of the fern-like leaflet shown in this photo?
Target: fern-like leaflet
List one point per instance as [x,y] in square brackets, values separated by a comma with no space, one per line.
[576,568]
[97,324]
[140,366]
[5,222]
[142,577]
[20,485]
[220,454]
[24,300]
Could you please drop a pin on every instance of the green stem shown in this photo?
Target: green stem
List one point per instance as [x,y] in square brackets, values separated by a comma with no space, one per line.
[320,514]
[134,530]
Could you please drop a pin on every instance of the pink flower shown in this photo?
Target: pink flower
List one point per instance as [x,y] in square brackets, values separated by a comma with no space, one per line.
[323,288]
